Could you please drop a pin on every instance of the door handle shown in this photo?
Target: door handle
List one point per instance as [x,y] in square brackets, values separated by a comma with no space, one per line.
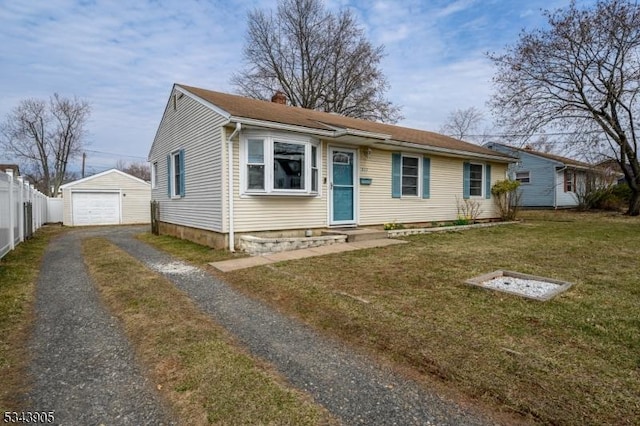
[331,185]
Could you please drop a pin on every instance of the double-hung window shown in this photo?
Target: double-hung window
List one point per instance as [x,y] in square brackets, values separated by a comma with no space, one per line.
[175,173]
[410,175]
[569,181]
[475,180]
[279,164]
[255,164]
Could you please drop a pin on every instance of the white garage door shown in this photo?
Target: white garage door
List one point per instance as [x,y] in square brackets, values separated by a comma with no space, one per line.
[96,208]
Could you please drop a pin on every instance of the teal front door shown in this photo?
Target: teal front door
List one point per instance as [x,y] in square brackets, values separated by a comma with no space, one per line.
[342,186]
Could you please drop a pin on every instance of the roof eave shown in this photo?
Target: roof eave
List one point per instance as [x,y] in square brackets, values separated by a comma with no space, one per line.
[368,138]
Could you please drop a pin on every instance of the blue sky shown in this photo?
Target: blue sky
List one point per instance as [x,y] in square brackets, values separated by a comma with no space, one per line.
[123,57]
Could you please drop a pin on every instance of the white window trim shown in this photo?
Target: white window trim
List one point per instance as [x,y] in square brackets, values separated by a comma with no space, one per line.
[269,137]
[175,189]
[482,180]
[419,189]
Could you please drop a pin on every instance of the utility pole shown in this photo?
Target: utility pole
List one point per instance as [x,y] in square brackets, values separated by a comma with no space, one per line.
[84,157]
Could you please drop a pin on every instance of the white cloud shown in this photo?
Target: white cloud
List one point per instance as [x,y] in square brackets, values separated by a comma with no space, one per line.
[123,60]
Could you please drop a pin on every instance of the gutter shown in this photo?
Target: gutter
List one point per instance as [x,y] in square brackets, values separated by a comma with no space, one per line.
[382,138]
[230,183]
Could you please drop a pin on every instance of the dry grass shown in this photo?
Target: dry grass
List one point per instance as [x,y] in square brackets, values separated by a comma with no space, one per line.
[18,276]
[572,360]
[187,250]
[195,364]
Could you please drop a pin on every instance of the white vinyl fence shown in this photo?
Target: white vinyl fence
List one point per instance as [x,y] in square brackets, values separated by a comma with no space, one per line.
[23,209]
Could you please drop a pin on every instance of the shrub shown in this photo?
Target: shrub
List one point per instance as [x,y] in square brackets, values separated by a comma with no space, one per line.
[507,198]
[393,225]
[469,210]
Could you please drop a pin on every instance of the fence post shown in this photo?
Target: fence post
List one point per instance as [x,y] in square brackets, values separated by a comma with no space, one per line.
[12,211]
[21,216]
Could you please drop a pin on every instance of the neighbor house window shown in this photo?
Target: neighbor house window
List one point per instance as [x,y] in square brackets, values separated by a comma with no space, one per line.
[523,177]
[475,180]
[274,164]
[569,181]
[175,172]
[410,175]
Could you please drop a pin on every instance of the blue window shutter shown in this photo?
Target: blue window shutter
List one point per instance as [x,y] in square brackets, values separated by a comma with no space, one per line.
[396,177]
[182,185]
[169,175]
[466,181]
[487,181]
[426,177]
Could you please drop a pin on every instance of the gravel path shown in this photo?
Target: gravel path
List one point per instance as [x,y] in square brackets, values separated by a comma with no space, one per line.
[351,386]
[83,367]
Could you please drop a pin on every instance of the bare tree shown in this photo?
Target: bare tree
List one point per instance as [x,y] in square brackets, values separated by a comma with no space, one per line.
[580,76]
[46,136]
[463,123]
[319,59]
[139,170]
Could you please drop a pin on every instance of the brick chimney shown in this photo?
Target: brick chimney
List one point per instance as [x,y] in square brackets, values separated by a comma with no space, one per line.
[279,98]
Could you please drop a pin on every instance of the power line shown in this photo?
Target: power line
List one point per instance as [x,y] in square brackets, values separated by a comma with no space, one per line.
[115,155]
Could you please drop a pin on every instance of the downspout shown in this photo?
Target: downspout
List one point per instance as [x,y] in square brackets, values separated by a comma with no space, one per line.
[230,189]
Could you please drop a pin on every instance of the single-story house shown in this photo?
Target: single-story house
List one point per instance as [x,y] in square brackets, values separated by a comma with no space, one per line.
[112,197]
[546,180]
[224,165]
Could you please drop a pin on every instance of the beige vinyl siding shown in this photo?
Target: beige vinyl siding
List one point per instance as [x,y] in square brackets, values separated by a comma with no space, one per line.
[196,129]
[269,213]
[135,196]
[377,206]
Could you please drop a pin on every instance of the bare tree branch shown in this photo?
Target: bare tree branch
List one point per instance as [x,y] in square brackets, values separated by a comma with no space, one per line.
[319,59]
[46,136]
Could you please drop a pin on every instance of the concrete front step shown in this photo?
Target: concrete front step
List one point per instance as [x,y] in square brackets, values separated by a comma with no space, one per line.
[358,234]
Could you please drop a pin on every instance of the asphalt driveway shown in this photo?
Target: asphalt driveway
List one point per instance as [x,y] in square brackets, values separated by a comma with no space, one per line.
[84,368]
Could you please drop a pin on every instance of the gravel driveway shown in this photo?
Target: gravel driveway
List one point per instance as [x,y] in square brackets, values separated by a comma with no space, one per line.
[352,387]
[84,368]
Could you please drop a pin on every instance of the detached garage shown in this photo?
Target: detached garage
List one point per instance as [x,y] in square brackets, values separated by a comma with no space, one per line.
[108,198]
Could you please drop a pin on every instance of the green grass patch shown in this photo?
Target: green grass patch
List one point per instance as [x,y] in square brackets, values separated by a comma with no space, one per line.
[19,271]
[196,365]
[572,360]
[187,250]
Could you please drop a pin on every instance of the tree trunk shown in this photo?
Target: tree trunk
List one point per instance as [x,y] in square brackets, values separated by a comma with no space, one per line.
[634,204]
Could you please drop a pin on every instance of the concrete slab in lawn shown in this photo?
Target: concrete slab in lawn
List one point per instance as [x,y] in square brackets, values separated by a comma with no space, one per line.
[250,262]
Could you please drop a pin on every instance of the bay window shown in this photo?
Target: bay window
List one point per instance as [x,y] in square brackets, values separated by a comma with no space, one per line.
[282,165]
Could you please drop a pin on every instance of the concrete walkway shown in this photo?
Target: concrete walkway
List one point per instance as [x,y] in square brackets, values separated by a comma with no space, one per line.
[250,262]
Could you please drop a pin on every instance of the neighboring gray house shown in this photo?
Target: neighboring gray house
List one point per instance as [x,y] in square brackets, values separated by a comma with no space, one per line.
[547,180]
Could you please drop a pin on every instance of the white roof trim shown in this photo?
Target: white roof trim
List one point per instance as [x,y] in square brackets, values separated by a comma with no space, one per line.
[106,172]
[206,103]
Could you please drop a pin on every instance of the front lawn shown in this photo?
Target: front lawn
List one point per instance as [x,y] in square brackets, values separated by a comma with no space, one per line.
[572,360]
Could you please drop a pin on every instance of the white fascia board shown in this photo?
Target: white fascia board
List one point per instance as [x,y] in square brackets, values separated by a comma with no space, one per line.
[97,175]
[281,126]
[206,103]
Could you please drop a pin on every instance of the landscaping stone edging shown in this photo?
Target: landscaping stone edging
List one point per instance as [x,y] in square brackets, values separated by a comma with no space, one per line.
[261,245]
[404,232]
